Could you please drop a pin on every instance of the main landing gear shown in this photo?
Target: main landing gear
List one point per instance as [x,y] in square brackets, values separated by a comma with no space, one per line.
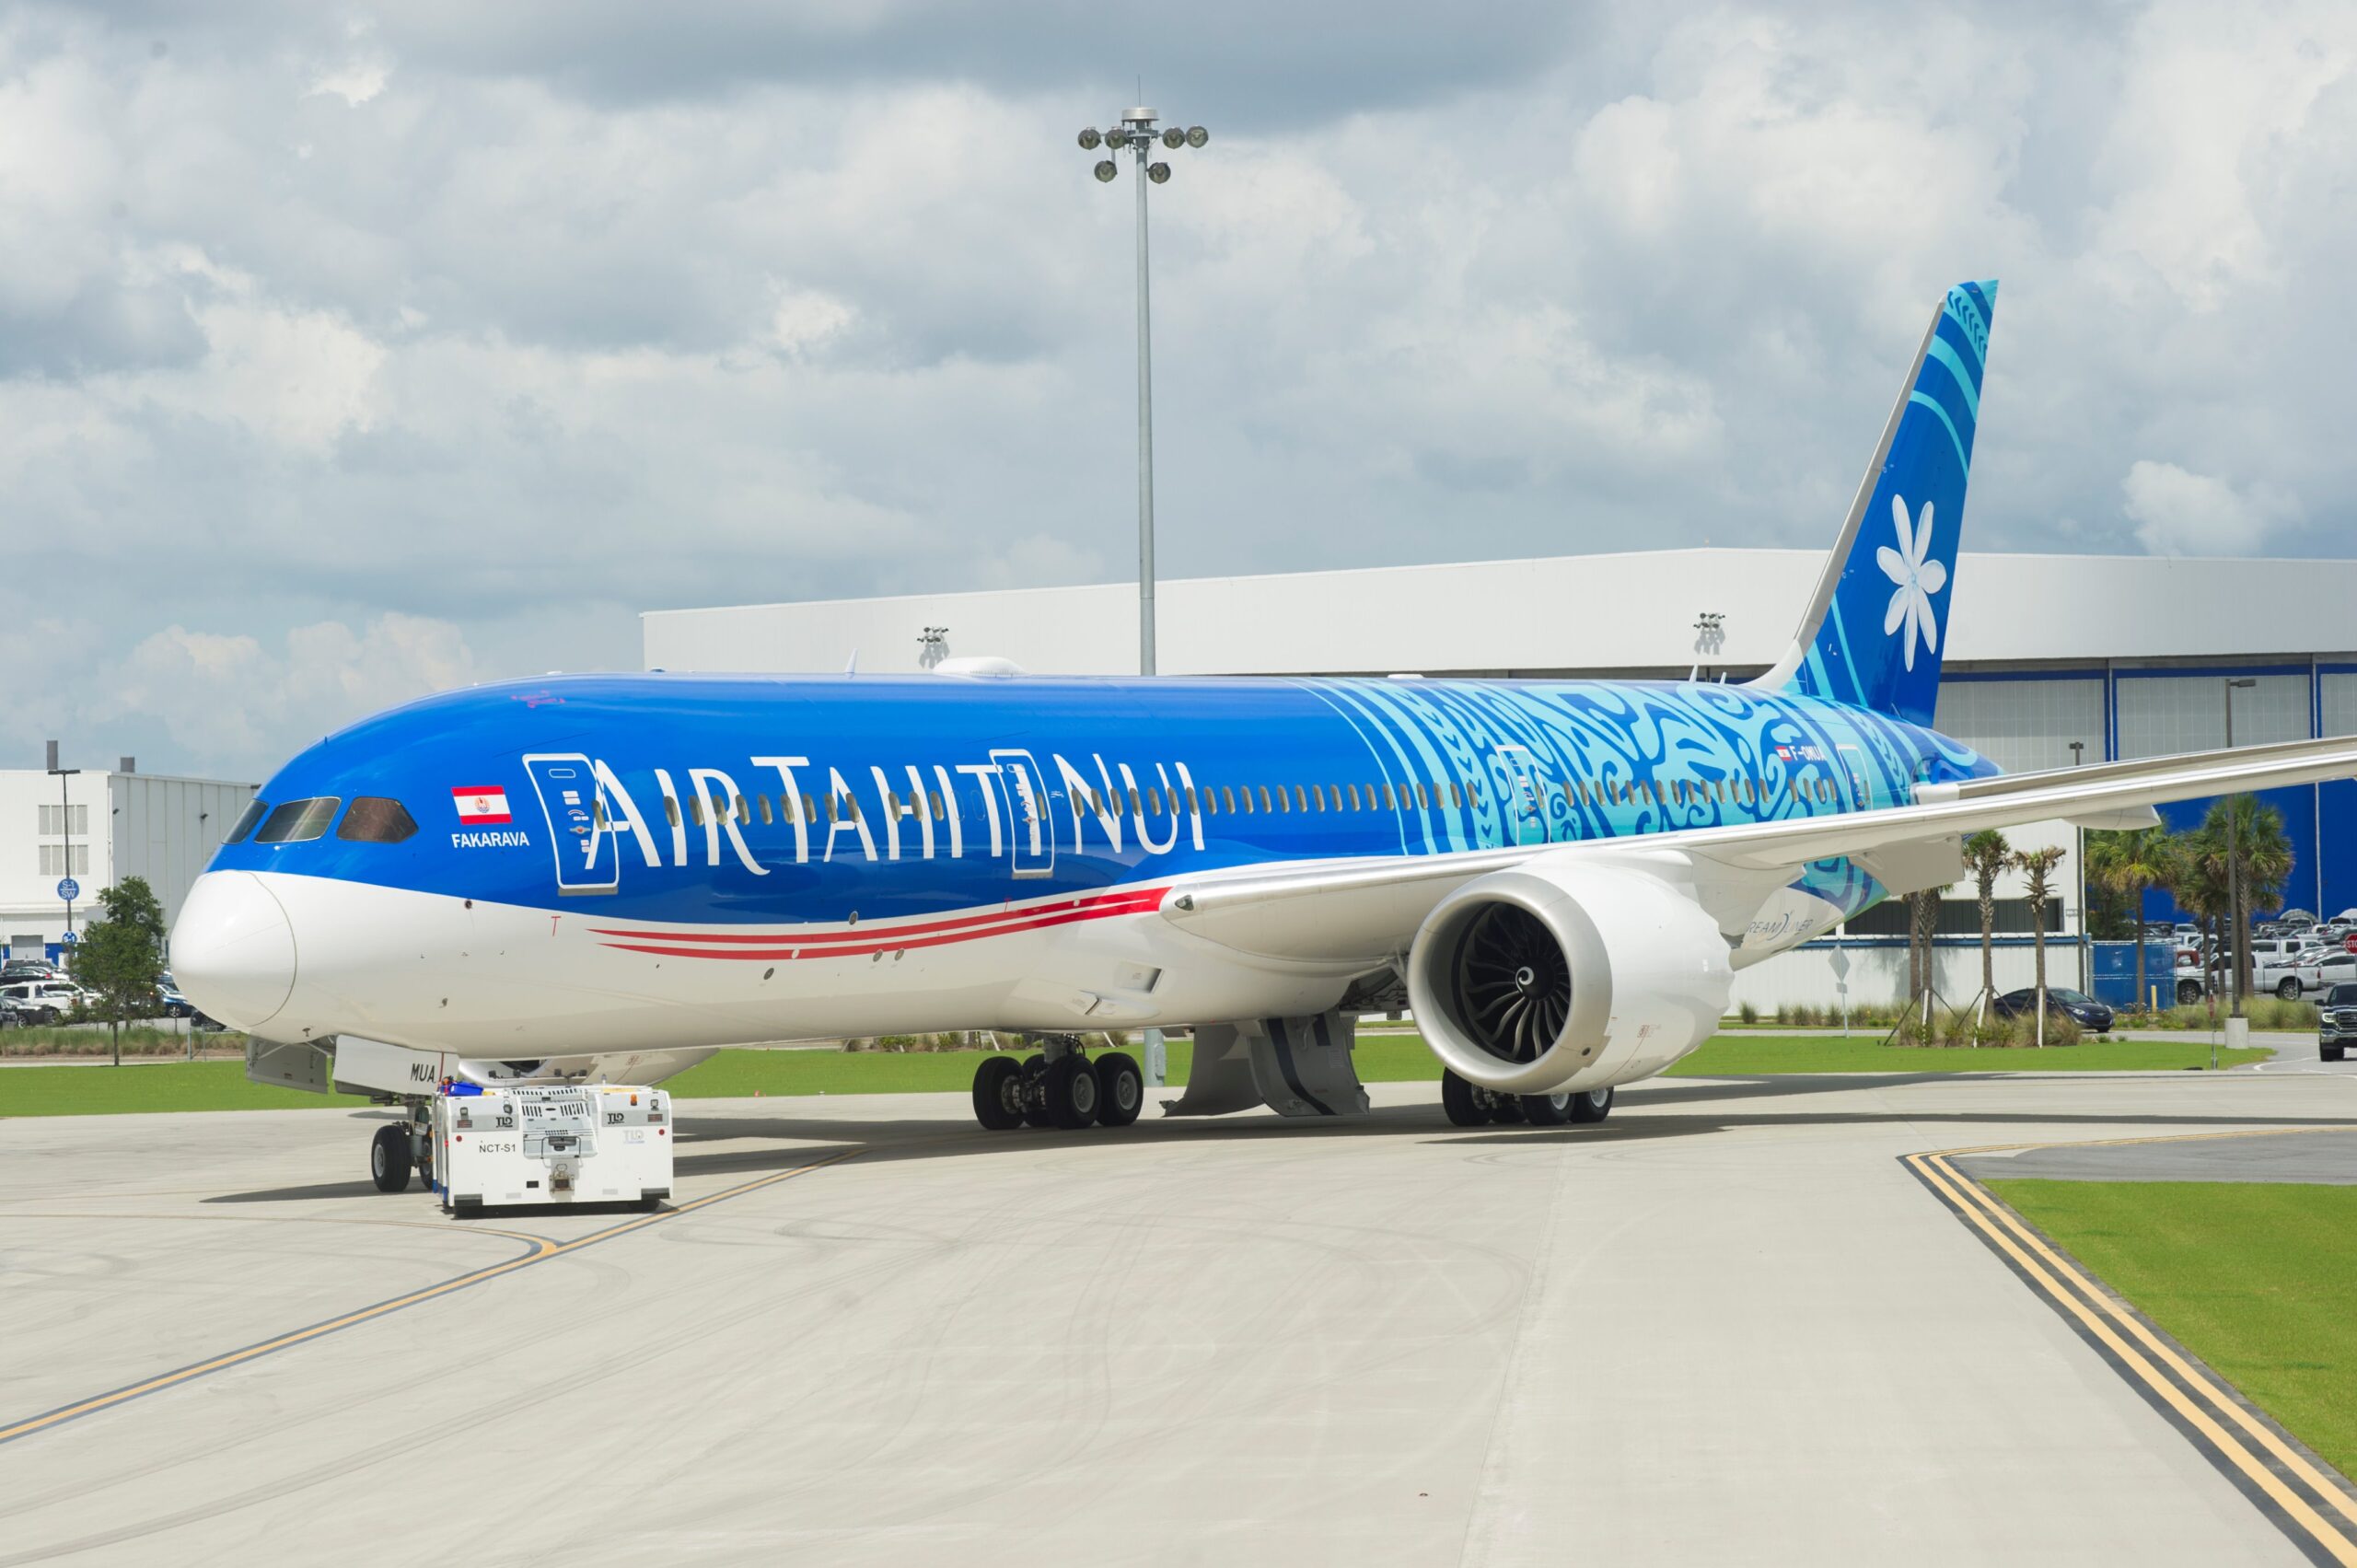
[1469,1105]
[1059,1087]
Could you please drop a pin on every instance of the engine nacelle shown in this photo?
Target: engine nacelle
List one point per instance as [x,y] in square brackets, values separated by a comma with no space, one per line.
[1555,977]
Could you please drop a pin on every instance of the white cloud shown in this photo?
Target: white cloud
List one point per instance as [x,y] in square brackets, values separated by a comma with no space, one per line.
[508,321]
[228,698]
[2177,513]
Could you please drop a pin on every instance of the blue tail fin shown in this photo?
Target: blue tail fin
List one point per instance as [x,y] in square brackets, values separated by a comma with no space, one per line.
[1873,632]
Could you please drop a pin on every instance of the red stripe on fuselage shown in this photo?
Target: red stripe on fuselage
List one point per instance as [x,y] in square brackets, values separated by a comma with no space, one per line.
[1122,901]
[833,947]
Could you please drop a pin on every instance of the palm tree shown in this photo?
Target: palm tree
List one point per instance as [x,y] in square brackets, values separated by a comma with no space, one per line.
[2038,865]
[2199,888]
[2263,858]
[2131,864]
[1986,854]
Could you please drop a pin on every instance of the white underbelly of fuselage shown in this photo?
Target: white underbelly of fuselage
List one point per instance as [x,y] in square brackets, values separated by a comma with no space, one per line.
[503,980]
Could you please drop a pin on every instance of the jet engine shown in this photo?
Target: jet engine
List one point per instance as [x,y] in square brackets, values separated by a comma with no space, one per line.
[1566,976]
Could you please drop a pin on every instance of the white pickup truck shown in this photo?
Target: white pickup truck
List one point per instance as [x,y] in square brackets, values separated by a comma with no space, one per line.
[2306,974]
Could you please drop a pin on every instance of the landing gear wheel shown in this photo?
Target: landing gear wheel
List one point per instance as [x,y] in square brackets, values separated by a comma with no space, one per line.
[1467,1106]
[425,1166]
[1037,1111]
[1505,1107]
[1072,1092]
[1545,1111]
[389,1159]
[998,1094]
[1120,1089]
[2289,989]
[1592,1105]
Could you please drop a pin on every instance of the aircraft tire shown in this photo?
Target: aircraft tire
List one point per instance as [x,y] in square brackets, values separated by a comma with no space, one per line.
[1039,1108]
[1547,1111]
[1072,1092]
[998,1094]
[1592,1105]
[389,1159]
[1120,1089]
[1457,1098]
[1506,1108]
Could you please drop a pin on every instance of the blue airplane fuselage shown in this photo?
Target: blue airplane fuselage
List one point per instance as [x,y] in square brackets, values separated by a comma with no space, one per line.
[764,801]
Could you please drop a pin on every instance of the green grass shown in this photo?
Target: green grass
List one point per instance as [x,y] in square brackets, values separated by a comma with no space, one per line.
[1734,1056]
[79,1090]
[2257,1279]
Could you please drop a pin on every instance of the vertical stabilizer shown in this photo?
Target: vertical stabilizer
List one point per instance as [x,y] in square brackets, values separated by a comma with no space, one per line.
[1876,627]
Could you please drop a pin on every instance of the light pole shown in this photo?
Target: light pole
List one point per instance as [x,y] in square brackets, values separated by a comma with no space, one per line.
[65,827]
[1136,132]
[2234,863]
[2079,856]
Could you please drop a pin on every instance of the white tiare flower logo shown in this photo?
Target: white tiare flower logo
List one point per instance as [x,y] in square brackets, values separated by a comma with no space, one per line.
[1918,580]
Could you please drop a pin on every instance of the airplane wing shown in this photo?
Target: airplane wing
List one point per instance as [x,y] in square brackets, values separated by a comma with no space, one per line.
[1370,907]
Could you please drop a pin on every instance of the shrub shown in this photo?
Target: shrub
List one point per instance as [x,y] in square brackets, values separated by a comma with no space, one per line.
[1749,1013]
[2060,1029]
[2273,1012]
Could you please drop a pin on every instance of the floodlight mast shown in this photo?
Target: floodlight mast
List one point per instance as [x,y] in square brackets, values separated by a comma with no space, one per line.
[1136,132]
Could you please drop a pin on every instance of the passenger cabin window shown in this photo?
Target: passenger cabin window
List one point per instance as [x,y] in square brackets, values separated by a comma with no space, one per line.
[298,821]
[254,812]
[374,819]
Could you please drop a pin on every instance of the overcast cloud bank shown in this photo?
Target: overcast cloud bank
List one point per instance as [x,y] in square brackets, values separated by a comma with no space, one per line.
[345,354]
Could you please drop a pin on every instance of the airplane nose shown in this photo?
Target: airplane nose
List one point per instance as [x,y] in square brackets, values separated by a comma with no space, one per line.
[233,951]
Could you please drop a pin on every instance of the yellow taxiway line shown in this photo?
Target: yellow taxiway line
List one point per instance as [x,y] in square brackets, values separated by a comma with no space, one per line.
[2312,1506]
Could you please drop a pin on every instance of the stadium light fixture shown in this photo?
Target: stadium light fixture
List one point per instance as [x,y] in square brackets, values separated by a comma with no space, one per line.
[1137,131]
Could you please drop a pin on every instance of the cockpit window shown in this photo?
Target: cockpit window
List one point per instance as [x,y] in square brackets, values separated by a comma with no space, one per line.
[254,812]
[298,821]
[374,819]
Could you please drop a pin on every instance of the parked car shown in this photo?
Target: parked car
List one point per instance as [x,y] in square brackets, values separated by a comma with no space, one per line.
[169,997]
[43,1001]
[2337,1022]
[2077,1005]
[27,968]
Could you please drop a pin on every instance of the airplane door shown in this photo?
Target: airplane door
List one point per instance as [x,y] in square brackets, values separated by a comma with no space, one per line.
[588,860]
[1862,792]
[1525,805]
[1023,792]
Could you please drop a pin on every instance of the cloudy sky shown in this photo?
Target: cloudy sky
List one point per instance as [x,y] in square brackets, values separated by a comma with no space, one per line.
[351,352]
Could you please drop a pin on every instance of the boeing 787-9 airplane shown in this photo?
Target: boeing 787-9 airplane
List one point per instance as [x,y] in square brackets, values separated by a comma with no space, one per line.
[611,876]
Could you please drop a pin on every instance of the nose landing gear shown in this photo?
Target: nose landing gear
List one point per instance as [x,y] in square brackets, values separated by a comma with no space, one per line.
[388,1160]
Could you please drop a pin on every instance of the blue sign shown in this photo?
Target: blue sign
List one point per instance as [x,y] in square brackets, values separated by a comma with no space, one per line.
[70,938]
[69,889]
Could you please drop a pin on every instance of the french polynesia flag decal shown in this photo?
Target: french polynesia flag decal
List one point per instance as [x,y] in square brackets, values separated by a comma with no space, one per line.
[481,808]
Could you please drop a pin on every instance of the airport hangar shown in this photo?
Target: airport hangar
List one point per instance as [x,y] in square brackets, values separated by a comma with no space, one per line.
[2125,656]
[98,825]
